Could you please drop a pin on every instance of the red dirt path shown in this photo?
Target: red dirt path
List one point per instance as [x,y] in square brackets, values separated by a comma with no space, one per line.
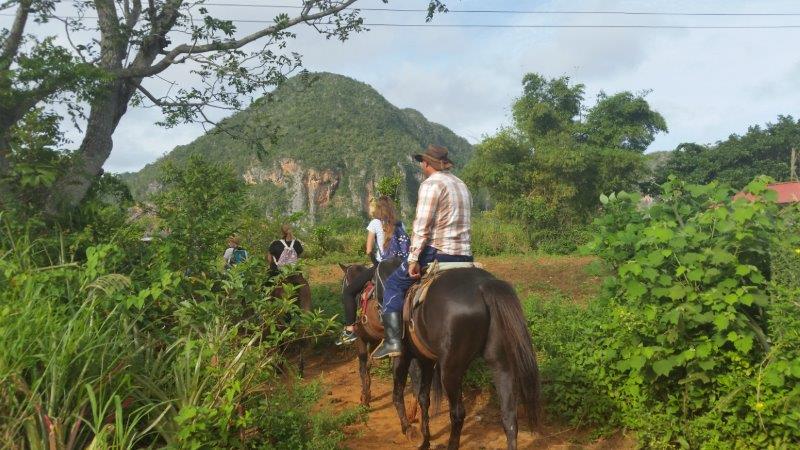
[482,427]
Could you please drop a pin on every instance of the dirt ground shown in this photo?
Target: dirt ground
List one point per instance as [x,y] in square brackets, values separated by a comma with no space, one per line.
[545,277]
[338,371]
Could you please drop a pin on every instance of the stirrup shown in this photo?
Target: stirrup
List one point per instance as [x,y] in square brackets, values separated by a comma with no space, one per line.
[346,338]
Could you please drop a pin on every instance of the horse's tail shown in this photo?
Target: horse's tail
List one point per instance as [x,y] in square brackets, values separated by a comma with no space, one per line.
[505,312]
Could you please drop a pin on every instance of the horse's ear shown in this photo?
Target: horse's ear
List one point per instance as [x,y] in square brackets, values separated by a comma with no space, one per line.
[343,267]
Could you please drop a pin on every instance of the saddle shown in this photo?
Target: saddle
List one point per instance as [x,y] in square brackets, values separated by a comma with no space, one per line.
[417,294]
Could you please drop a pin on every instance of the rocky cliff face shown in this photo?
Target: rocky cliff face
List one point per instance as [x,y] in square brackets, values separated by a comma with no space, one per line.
[311,189]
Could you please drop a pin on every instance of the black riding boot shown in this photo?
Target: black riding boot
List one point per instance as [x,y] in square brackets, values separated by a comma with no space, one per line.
[392,343]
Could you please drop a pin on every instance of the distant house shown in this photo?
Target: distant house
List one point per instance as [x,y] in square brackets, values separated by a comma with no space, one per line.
[788,192]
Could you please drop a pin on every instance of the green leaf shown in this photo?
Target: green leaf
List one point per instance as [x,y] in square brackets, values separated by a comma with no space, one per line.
[743,213]
[707,364]
[721,322]
[635,289]
[744,344]
[603,199]
[742,270]
[636,362]
[704,349]
[663,367]
[677,292]
[794,368]
[695,274]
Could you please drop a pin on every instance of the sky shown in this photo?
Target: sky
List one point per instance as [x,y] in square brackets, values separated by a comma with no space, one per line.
[707,83]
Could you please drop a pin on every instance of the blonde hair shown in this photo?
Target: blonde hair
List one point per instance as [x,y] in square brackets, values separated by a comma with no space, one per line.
[234,240]
[286,232]
[383,209]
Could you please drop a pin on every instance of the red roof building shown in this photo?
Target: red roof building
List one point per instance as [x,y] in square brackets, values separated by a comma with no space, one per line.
[788,192]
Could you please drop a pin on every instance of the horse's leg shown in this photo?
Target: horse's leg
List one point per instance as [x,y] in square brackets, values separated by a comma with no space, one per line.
[452,378]
[400,371]
[363,370]
[504,383]
[424,400]
[416,375]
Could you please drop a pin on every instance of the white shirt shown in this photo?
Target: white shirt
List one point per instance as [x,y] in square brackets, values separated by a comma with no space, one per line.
[228,254]
[376,226]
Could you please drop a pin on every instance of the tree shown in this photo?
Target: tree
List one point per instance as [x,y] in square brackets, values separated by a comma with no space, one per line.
[549,170]
[734,161]
[103,70]
[200,207]
[622,120]
[547,106]
[501,164]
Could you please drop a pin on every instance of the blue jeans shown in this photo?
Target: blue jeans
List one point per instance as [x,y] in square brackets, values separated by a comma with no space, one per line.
[398,282]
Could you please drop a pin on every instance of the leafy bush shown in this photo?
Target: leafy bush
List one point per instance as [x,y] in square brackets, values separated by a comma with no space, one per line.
[95,358]
[690,346]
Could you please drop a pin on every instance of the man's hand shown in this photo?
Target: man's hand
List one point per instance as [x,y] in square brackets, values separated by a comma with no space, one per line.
[413,270]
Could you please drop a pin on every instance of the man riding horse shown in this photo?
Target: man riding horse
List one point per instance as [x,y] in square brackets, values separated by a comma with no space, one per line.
[441,232]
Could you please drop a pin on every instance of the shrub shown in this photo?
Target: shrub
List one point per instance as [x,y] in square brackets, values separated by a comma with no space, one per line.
[492,236]
[691,347]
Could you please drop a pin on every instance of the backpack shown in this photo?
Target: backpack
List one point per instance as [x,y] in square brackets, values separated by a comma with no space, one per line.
[288,255]
[399,244]
[239,256]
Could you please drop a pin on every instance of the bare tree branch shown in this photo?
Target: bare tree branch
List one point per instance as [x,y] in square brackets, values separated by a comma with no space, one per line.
[140,72]
[132,14]
[69,39]
[160,102]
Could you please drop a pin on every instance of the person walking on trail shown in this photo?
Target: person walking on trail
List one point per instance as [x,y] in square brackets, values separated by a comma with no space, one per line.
[234,254]
[441,232]
[386,239]
[283,252]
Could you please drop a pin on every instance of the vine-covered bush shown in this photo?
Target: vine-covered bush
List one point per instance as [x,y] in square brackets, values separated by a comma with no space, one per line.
[692,345]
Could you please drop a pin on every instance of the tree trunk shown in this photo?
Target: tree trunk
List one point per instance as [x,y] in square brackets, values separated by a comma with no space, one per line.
[87,164]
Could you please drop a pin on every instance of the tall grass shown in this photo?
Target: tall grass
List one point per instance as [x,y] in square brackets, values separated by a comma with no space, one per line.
[492,237]
[95,359]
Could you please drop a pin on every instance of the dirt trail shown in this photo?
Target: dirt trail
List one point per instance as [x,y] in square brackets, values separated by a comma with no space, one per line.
[338,371]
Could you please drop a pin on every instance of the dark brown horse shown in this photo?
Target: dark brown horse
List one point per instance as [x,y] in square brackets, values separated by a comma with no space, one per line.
[368,329]
[469,313]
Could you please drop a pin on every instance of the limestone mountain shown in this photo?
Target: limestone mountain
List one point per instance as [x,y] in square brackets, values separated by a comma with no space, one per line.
[334,138]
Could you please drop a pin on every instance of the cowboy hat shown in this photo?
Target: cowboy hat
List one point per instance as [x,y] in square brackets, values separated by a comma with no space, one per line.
[436,156]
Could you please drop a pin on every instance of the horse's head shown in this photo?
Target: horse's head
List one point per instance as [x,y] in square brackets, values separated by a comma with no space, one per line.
[350,273]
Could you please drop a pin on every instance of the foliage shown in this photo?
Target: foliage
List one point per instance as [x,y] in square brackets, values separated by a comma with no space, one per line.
[390,186]
[623,120]
[200,207]
[548,171]
[108,346]
[760,151]
[492,236]
[692,344]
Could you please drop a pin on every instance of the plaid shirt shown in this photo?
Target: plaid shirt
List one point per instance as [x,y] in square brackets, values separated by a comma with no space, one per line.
[443,216]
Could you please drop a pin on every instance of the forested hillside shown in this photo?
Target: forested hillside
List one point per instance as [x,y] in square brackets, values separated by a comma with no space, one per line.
[323,141]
